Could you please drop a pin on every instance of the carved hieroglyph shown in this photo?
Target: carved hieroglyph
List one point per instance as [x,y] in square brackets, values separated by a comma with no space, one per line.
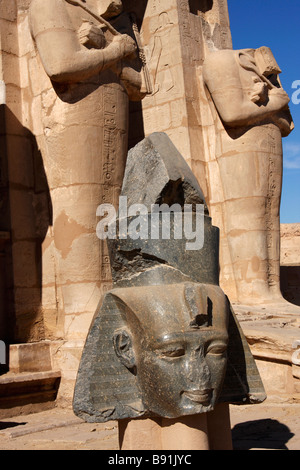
[94,71]
[251,119]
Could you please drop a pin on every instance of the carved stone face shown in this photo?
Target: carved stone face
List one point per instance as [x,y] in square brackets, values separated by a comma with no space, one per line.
[178,350]
[109,8]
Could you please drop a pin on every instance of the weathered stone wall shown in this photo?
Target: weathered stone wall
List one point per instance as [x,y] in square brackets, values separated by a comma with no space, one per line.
[290,245]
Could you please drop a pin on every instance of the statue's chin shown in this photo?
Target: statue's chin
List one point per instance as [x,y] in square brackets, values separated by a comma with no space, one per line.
[192,403]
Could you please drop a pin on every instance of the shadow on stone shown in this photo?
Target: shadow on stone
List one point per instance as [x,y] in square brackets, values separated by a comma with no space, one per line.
[261,434]
[6,425]
[197,6]
[25,215]
[290,283]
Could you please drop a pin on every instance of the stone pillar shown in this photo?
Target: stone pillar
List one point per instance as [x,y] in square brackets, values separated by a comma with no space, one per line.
[208,431]
[177,35]
[186,433]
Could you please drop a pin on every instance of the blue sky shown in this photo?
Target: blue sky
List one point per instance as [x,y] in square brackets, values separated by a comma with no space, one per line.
[276,24]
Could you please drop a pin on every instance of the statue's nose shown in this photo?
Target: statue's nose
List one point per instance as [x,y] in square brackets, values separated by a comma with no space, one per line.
[197,371]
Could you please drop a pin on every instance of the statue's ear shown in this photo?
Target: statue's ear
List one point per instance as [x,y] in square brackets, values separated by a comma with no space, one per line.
[124,349]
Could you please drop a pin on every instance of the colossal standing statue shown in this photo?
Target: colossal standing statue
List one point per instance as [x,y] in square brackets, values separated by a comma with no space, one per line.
[252,117]
[89,52]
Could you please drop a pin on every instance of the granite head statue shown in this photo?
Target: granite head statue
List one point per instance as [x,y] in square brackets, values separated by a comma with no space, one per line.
[175,342]
[164,341]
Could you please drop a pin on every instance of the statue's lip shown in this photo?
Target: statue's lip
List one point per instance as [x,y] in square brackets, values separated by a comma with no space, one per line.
[199,396]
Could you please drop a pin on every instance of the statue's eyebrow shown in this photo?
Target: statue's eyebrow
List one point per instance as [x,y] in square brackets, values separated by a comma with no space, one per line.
[221,338]
[173,338]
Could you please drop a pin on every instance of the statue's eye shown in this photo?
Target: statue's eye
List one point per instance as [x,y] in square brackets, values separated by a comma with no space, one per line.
[216,348]
[173,352]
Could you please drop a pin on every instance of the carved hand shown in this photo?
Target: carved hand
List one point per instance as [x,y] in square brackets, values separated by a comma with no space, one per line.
[125,45]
